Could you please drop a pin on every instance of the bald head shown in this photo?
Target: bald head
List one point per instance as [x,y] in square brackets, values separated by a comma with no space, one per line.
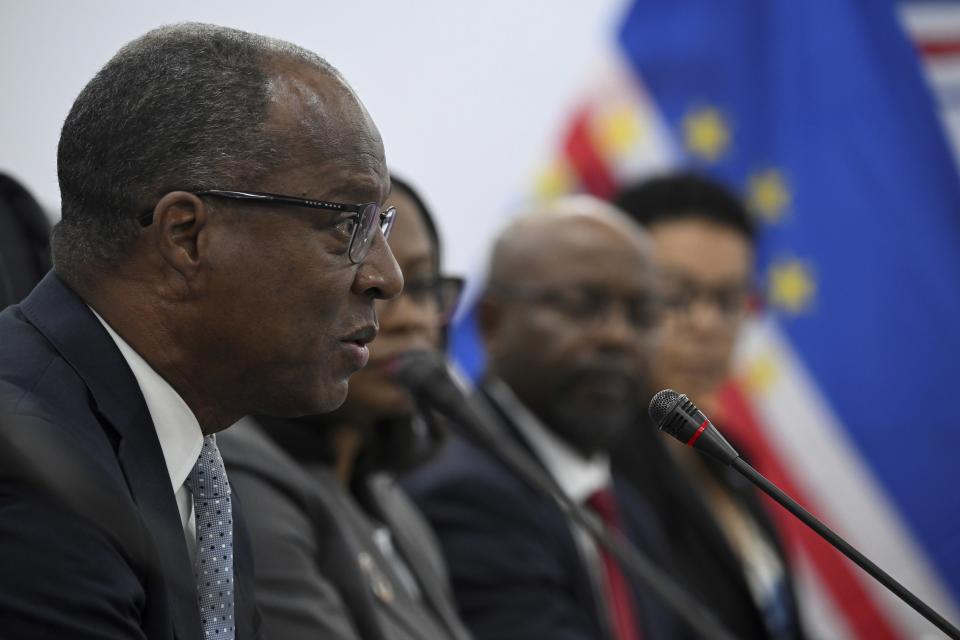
[568,228]
[567,317]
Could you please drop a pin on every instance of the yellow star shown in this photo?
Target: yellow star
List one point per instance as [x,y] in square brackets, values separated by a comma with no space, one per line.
[791,286]
[618,130]
[706,134]
[556,180]
[768,195]
[759,373]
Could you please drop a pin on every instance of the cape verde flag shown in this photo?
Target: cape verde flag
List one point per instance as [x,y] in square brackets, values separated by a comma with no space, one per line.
[818,113]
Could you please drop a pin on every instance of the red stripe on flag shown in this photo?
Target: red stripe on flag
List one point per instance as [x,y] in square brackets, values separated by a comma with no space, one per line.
[861,612]
[586,160]
[937,48]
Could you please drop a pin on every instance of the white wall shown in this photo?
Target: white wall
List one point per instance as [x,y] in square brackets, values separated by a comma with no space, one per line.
[469,96]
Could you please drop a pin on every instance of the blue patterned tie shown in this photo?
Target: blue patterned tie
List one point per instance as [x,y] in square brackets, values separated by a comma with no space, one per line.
[214,562]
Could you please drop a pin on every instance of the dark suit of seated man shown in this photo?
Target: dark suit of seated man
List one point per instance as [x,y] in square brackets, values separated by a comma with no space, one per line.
[175,308]
[567,317]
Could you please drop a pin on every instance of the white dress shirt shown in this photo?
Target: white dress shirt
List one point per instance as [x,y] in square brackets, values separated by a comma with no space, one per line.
[579,477]
[177,429]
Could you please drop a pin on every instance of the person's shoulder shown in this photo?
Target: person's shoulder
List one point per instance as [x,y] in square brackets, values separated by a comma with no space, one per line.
[461,467]
[67,514]
[26,356]
[262,471]
[467,487]
[245,445]
[35,378]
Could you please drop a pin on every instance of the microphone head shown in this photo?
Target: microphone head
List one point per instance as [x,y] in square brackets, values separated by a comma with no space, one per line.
[676,415]
[414,369]
[662,404]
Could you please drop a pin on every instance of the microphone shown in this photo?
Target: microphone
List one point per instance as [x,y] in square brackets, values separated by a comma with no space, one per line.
[426,376]
[675,414]
[678,416]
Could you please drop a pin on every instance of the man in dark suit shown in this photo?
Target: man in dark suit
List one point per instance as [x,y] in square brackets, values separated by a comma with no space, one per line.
[567,318]
[220,251]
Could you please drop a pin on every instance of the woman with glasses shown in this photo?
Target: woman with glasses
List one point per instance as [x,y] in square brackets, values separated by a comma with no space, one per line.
[340,552]
[727,548]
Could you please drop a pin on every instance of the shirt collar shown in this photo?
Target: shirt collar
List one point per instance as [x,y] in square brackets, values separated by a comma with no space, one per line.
[177,427]
[578,476]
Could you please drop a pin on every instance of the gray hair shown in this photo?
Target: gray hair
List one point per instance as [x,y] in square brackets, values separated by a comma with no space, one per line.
[182,107]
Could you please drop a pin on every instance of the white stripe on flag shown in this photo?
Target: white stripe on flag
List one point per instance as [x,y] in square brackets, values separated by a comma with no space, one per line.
[843,491]
[822,619]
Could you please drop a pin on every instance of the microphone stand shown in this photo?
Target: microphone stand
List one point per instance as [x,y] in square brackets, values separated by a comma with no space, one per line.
[677,416]
[844,547]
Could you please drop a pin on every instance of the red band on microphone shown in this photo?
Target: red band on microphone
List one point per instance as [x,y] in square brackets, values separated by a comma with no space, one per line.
[699,432]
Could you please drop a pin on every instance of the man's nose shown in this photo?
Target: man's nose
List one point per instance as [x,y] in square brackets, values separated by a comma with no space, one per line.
[379,276]
[616,329]
[706,316]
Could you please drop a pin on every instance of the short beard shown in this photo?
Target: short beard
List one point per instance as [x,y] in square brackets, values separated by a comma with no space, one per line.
[591,431]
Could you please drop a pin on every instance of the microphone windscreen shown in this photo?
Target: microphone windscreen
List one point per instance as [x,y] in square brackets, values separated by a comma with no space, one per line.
[413,369]
[661,404]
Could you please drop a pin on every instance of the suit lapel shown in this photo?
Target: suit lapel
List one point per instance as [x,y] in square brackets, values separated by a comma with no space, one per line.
[63,317]
[246,614]
[588,569]
[431,578]
[383,587]
[146,473]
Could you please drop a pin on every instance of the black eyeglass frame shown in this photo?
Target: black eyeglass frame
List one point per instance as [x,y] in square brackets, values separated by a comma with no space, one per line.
[595,305]
[445,290]
[356,252]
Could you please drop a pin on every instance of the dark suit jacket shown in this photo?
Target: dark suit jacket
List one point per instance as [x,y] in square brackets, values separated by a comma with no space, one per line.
[706,563]
[319,572]
[518,568]
[91,543]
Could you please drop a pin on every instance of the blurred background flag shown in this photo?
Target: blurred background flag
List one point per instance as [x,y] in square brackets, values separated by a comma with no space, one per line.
[819,114]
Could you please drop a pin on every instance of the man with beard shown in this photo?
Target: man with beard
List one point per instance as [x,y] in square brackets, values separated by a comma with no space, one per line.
[567,318]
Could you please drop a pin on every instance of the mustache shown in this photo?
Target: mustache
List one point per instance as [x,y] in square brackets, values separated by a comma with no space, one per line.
[606,368]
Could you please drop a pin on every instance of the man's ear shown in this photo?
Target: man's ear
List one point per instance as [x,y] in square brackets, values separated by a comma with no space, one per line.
[179,218]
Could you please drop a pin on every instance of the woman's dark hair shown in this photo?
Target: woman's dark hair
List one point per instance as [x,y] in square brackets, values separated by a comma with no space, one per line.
[397,445]
[404,187]
[680,196]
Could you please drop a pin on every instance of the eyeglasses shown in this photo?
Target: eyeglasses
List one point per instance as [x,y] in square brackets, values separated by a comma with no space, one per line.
[441,291]
[588,305]
[362,220]
[729,301]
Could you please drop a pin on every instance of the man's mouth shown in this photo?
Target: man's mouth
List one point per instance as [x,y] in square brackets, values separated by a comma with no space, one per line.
[362,336]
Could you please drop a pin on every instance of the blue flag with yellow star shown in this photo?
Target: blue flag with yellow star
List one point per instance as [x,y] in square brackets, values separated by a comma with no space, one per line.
[818,112]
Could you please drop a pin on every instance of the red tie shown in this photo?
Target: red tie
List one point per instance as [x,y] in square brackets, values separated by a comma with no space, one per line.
[619,595]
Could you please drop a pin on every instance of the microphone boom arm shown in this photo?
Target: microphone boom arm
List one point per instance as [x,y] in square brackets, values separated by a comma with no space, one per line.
[677,416]
[845,548]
